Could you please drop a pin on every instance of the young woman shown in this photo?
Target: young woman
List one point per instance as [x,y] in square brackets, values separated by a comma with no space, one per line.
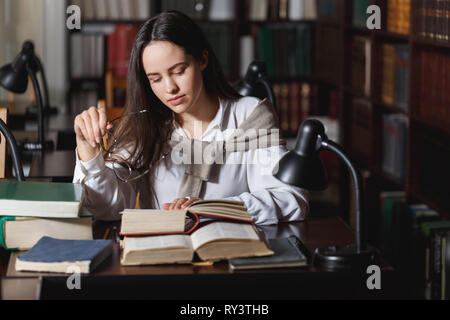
[177,96]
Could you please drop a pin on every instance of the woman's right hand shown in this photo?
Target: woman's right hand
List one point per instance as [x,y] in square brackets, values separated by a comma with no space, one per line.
[90,126]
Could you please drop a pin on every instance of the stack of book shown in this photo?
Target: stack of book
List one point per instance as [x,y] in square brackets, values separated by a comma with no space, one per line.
[395,75]
[395,127]
[286,49]
[398,18]
[31,210]
[432,19]
[174,236]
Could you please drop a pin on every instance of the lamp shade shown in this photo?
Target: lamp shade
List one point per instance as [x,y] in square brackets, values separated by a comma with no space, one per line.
[14,76]
[302,166]
[255,83]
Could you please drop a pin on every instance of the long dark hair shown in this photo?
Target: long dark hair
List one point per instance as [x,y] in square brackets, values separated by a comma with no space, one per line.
[146,134]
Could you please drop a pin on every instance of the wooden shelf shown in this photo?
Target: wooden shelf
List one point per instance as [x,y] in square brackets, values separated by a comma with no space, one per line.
[386,35]
[430,43]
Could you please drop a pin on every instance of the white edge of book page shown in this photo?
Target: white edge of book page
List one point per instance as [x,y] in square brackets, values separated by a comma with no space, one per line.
[163,242]
[59,267]
[223,231]
[138,217]
[45,209]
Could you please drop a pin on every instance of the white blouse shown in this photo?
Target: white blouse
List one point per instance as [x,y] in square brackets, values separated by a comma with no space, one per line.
[244,176]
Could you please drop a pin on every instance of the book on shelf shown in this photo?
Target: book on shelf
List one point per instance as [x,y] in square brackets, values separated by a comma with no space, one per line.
[360,63]
[286,49]
[61,256]
[398,16]
[86,57]
[114,10]
[214,241]
[288,252]
[119,44]
[437,257]
[394,143]
[391,216]
[195,9]
[432,19]
[301,10]
[221,10]
[22,233]
[328,54]
[40,199]
[219,36]
[137,222]
[329,9]
[361,129]
[433,87]
[359,14]
[395,75]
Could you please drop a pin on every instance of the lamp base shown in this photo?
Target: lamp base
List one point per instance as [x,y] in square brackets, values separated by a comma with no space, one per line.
[345,257]
[37,146]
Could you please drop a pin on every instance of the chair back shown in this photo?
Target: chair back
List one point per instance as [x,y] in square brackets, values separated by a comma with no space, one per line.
[113,85]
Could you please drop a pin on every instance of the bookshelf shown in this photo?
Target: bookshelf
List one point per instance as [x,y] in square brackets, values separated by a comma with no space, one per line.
[425,111]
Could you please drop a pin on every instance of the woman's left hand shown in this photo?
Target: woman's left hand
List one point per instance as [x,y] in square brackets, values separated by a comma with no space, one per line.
[180,203]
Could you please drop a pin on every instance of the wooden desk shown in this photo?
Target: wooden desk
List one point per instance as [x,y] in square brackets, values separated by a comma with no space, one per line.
[111,280]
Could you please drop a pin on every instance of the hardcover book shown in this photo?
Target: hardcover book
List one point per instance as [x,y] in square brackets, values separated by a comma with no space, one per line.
[213,241]
[57,255]
[40,199]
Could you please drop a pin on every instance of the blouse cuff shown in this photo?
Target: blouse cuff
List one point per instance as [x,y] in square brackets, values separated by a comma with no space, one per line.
[93,166]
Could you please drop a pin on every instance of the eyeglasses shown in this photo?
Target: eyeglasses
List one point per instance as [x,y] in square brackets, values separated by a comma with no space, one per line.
[122,169]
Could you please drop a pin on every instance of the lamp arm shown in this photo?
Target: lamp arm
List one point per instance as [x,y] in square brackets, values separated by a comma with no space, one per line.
[269,90]
[14,151]
[356,177]
[37,92]
[44,82]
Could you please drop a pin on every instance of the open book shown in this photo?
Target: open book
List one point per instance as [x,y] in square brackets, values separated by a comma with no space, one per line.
[149,221]
[214,241]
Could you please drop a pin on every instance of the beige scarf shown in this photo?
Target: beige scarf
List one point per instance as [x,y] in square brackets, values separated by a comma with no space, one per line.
[254,133]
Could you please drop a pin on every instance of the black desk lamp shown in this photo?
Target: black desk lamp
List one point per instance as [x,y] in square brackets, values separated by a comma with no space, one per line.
[14,77]
[302,167]
[36,66]
[255,83]
[14,151]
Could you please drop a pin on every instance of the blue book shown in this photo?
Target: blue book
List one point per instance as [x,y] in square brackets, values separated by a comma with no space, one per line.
[56,255]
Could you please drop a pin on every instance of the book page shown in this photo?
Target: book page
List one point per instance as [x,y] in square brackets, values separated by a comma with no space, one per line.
[157,242]
[222,231]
